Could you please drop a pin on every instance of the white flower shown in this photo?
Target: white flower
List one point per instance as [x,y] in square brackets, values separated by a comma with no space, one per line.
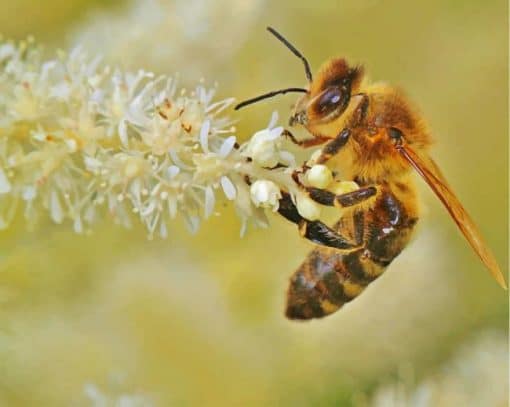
[83,139]
[263,147]
[265,194]
[319,176]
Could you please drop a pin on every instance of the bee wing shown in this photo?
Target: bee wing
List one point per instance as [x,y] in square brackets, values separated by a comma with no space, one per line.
[432,175]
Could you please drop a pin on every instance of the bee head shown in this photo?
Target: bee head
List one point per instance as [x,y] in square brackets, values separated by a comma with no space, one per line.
[329,94]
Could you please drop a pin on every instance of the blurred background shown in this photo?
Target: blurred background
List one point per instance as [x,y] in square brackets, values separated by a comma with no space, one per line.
[198,320]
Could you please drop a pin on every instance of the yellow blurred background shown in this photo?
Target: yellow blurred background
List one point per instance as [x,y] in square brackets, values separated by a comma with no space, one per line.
[198,320]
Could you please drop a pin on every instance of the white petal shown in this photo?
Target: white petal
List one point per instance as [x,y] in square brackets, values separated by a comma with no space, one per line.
[204,135]
[90,214]
[151,225]
[46,68]
[29,193]
[163,232]
[5,185]
[123,133]
[274,120]
[112,202]
[228,187]
[97,96]
[6,50]
[148,209]
[61,91]
[209,202]
[219,106]
[244,225]
[136,189]
[275,133]
[172,171]
[172,207]
[175,158]
[72,145]
[260,218]
[122,216]
[227,146]
[92,163]
[78,226]
[56,208]
[192,222]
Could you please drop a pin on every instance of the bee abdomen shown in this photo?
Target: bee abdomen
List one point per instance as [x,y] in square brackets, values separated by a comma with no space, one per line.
[327,280]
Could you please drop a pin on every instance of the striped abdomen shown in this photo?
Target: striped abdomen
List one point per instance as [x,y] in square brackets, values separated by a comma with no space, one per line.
[329,278]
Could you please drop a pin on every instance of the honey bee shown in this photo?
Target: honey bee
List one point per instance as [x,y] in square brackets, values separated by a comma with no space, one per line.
[369,133]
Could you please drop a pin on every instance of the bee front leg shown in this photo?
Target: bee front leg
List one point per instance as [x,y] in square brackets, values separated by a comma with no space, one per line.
[334,146]
[311,142]
[315,231]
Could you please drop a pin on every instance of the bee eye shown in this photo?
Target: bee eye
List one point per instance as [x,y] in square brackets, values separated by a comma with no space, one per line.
[330,100]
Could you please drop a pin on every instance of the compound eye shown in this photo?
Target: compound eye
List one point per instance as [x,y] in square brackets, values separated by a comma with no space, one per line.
[330,100]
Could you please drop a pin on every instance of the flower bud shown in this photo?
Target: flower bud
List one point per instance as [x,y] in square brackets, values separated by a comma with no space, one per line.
[263,147]
[265,194]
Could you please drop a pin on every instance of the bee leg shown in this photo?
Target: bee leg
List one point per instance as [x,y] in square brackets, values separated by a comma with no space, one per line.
[311,142]
[315,231]
[334,146]
[328,198]
[330,149]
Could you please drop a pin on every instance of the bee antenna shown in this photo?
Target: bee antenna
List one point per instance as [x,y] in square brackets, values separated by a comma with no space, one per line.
[294,51]
[268,95]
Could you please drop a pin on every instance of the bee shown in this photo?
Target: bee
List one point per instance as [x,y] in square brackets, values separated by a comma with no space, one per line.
[369,133]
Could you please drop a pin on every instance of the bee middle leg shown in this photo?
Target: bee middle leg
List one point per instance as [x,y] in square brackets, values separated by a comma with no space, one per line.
[315,231]
[328,198]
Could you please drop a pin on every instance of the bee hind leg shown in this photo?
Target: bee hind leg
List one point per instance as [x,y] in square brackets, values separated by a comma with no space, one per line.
[315,231]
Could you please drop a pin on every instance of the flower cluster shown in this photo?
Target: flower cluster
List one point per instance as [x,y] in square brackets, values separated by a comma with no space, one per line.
[113,396]
[457,382]
[139,31]
[81,141]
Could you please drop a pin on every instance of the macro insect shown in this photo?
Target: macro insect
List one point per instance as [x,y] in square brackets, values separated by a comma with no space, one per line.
[369,133]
